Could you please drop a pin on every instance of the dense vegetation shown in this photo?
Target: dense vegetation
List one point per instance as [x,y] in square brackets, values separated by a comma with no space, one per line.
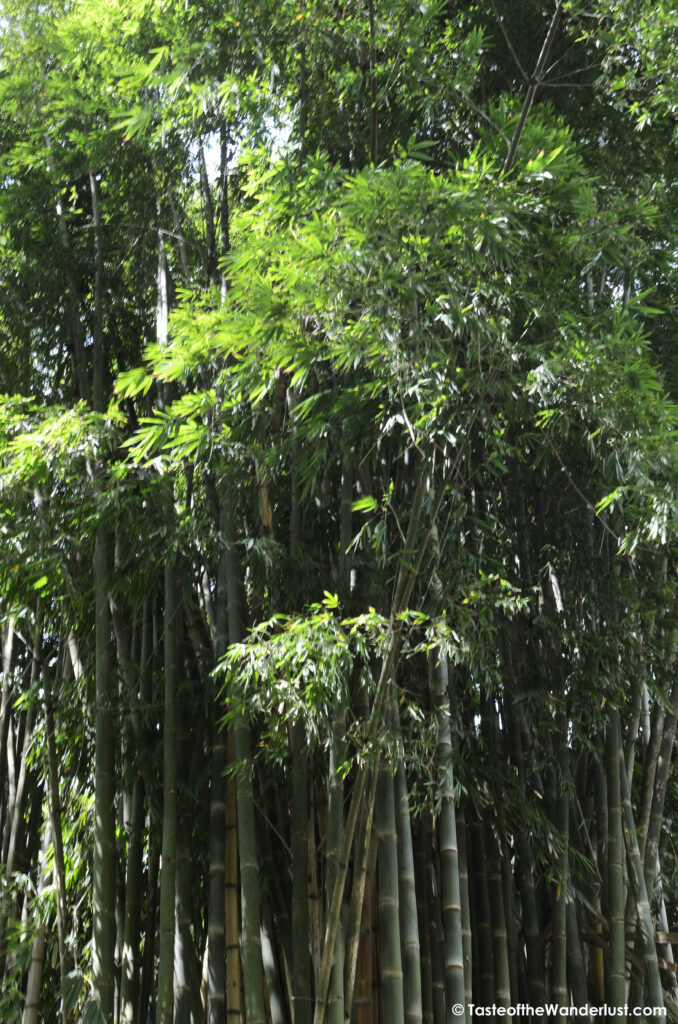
[338,509]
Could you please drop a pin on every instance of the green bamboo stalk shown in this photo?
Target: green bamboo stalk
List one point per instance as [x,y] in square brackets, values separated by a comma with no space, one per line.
[165,1004]
[359,931]
[559,990]
[250,901]
[437,940]
[421,859]
[482,920]
[407,896]
[664,765]
[364,974]
[301,969]
[509,915]
[616,974]
[146,985]
[502,982]
[56,823]
[575,957]
[649,951]
[234,985]
[455,993]
[525,864]
[466,940]
[129,982]
[103,869]
[187,1002]
[390,959]
[274,987]
[216,904]
[335,828]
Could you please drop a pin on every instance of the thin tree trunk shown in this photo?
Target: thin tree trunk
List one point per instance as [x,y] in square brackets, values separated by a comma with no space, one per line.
[274,985]
[216,909]
[364,974]
[407,896]
[77,333]
[103,871]
[559,989]
[616,973]
[301,968]
[169,815]
[147,988]
[234,984]
[359,939]
[35,970]
[131,948]
[482,919]
[57,836]
[437,942]
[335,828]
[210,235]
[335,785]
[14,848]
[654,985]
[5,704]
[252,966]
[664,764]
[421,858]
[502,983]
[449,854]
[374,110]
[187,1003]
[575,957]
[525,861]
[466,942]
[98,364]
[390,958]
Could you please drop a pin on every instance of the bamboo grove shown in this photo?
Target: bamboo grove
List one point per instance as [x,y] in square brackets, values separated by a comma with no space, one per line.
[338,510]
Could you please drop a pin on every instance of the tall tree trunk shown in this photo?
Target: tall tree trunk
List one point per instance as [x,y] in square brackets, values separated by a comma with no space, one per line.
[5,706]
[559,991]
[98,354]
[664,764]
[187,1002]
[449,854]
[335,828]
[169,812]
[482,918]
[274,984]
[649,951]
[467,946]
[234,984]
[131,947]
[103,870]
[616,973]
[147,987]
[301,968]
[407,897]
[252,966]
[421,859]
[390,959]
[35,970]
[216,909]
[502,983]
[360,937]
[57,835]
[575,957]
